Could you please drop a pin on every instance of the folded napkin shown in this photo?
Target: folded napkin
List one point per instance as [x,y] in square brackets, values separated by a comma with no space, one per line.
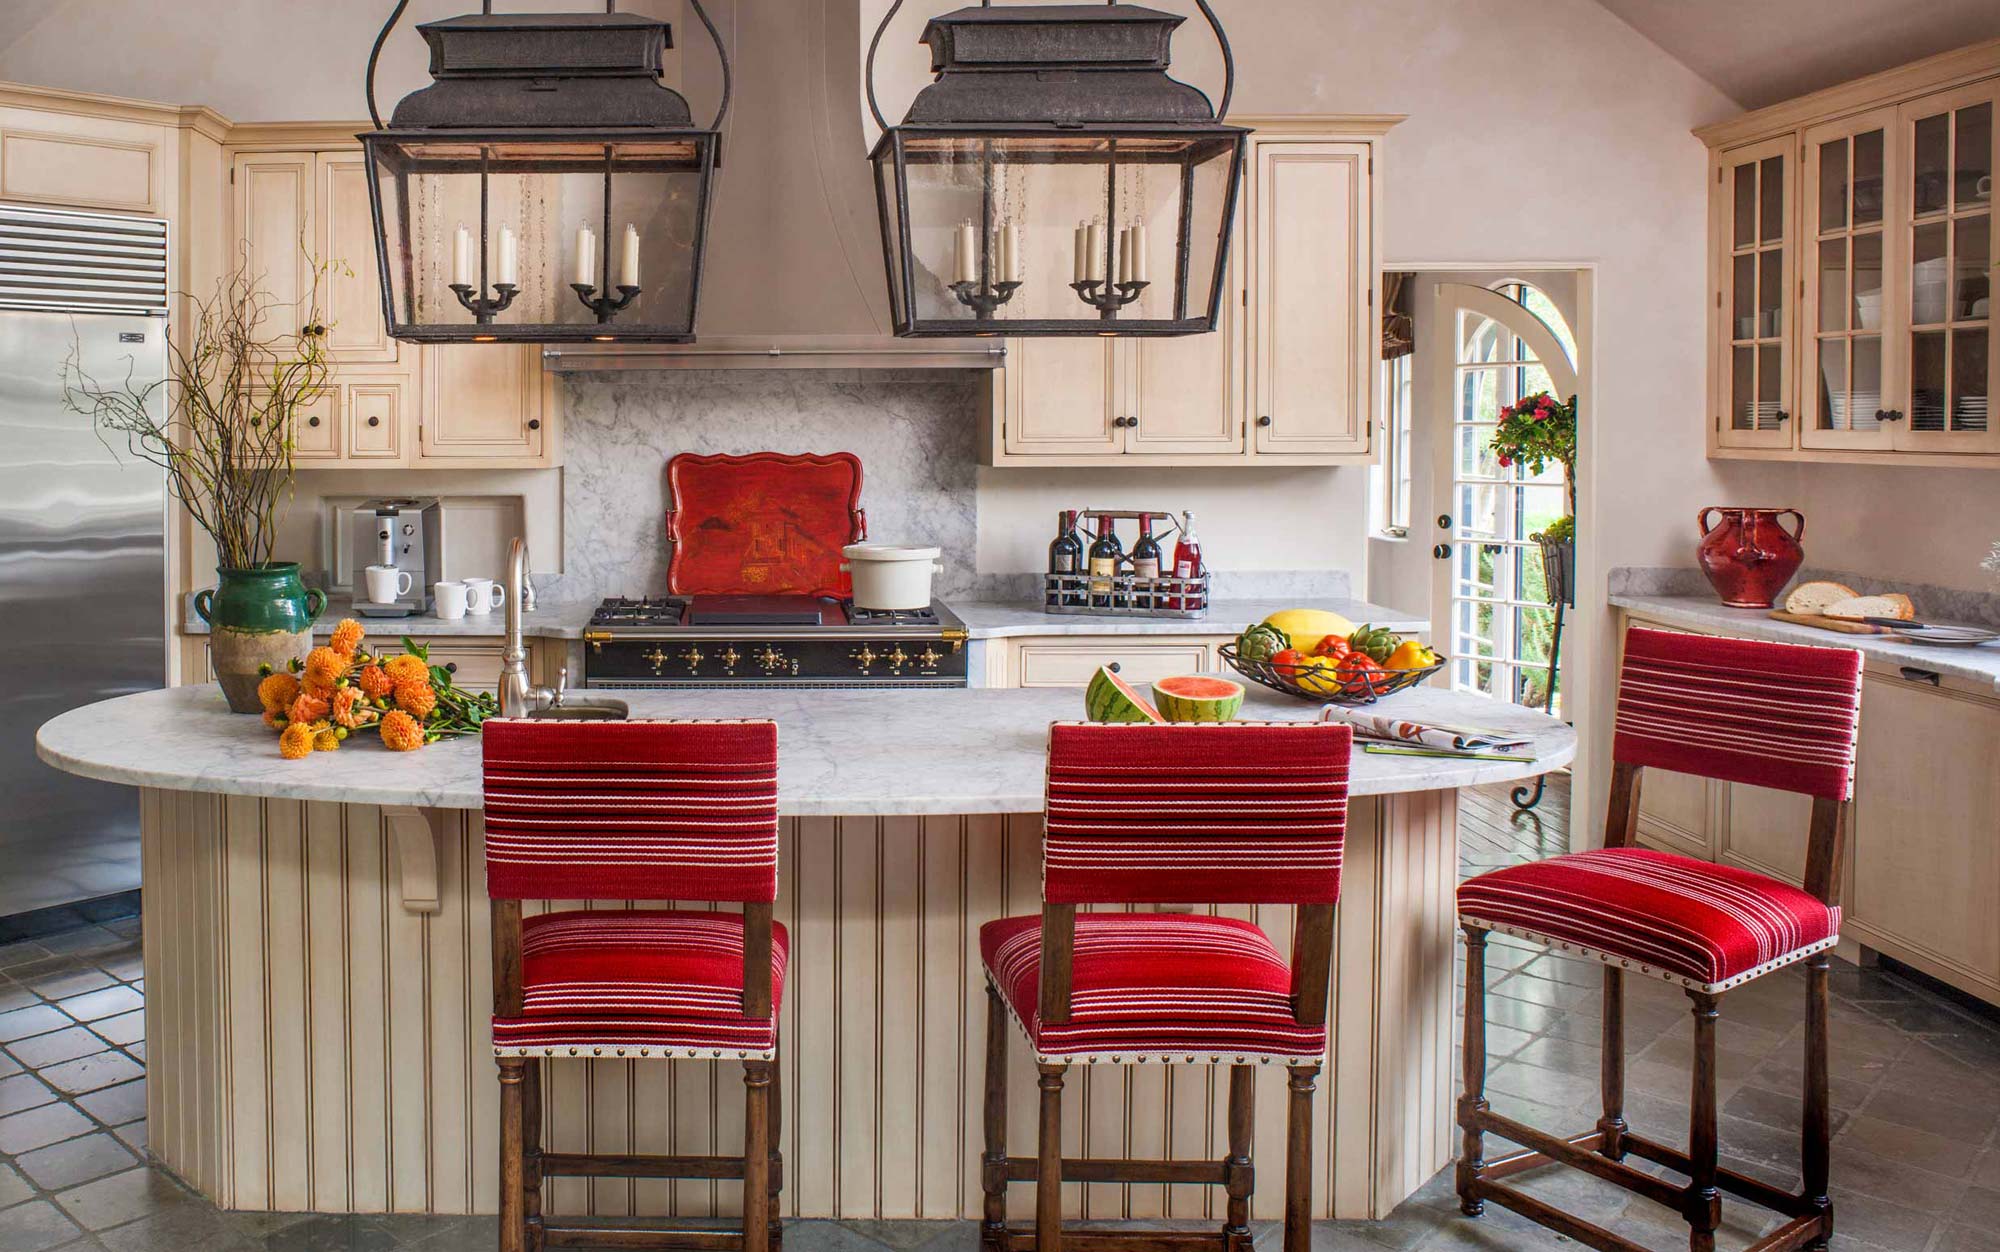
[1369,725]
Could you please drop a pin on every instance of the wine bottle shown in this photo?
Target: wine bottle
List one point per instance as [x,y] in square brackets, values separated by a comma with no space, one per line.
[1105,554]
[1187,563]
[1145,563]
[1066,559]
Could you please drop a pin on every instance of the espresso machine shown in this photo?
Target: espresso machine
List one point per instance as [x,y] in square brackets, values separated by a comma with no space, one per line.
[407,534]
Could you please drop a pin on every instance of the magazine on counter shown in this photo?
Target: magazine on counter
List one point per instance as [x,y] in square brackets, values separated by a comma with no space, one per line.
[1388,728]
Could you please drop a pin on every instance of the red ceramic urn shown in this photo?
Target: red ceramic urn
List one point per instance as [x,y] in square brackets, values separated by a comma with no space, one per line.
[1748,554]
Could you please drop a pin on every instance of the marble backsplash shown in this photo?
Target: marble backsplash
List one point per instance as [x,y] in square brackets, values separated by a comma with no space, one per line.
[912,429]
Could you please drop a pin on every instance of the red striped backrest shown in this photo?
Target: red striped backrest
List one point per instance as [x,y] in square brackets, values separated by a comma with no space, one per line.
[1229,813]
[638,810]
[1777,715]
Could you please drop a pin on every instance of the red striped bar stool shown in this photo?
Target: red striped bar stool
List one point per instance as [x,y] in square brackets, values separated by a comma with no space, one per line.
[634,811]
[1237,813]
[1767,714]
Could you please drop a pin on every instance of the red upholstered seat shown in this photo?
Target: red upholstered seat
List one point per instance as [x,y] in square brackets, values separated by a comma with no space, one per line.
[1702,925]
[1155,986]
[653,982]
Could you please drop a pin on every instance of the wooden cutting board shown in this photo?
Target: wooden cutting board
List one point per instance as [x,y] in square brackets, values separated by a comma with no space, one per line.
[1831,623]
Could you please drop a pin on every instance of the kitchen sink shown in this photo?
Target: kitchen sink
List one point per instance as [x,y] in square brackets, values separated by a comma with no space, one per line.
[583,711]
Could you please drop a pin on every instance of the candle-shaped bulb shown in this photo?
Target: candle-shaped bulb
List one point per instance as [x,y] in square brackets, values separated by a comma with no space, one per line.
[461,257]
[1124,255]
[1010,253]
[966,254]
[1096,251]
[509,258]
[1138,254]
[1082,270]
[628,264]
[586,258]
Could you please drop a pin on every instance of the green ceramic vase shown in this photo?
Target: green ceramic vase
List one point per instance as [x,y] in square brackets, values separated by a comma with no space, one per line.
[256,617]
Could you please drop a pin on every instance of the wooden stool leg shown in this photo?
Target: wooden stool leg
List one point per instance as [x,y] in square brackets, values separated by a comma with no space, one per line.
[531,1142]
[1298,1160]
[756,1156]
[513,1190]
[1612,1067]
[1702,1199]
[775,1217]
[1048,1173]
[1817,1134]
[993,1171]
[1237,1176]
[1472,1151]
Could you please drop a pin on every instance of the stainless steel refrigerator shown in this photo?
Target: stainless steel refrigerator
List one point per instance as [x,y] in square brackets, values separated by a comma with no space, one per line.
[83,574]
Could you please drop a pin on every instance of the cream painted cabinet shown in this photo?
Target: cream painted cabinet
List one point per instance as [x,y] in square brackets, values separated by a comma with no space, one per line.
[300,192]
[1284,379]
[1891,353]
[62,155]
[1312,326]
[1070,660]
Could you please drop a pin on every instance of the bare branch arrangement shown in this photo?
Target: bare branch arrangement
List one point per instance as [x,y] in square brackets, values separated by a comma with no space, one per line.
[224,435]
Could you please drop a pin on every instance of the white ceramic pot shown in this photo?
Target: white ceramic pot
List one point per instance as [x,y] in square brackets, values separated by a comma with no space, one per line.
[891,576]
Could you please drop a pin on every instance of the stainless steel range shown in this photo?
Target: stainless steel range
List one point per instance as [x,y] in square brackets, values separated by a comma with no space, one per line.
[759,641]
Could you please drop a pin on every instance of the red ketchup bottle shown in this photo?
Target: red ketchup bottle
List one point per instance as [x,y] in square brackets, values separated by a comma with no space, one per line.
[1187,564]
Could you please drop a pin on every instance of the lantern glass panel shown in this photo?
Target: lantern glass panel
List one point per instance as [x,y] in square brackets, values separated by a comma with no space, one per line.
[541,193]
[890,201]
[1166,194]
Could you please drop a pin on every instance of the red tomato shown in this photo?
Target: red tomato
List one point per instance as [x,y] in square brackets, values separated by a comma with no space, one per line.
[1288,660]
[1334,646]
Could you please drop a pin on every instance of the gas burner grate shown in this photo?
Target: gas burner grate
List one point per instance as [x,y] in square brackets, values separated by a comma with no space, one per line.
[645,611]
[892,617]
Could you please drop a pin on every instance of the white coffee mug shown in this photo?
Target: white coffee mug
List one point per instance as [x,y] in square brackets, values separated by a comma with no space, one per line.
[483,595]
[388,583]
[448,599]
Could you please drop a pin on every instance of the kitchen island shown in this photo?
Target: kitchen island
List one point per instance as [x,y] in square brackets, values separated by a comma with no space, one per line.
[317,967]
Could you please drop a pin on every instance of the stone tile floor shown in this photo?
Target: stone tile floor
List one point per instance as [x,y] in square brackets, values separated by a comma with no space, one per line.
[1916,1088]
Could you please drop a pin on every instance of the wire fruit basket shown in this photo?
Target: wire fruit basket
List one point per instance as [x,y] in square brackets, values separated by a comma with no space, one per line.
[1316,680]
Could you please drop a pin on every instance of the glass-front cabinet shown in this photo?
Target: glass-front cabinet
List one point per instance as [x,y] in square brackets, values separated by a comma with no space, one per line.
[1753,197]
[1853,262]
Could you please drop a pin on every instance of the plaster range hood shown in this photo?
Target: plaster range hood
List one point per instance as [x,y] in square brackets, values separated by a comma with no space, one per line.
[794,275]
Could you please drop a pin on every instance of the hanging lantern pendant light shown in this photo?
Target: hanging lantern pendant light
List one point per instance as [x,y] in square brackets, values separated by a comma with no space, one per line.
[1061,101]
[573,104]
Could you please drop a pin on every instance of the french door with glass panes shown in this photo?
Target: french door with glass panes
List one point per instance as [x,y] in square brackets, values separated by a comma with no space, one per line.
[1848,397]
[1943,257]
[1753,210]
[1497,625]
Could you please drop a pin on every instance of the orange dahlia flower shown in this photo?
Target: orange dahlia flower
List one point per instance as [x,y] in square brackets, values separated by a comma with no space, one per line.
[375,681]
[296,742]
[325,739]
[350,708]
[405,667]
[325,667]
[277,692]
[271,718]
[416,698]
[400,731]
[347,637]
[308,708]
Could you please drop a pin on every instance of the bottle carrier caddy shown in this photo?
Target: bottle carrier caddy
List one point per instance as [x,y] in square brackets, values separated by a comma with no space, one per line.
[1128,594]
[1316,682]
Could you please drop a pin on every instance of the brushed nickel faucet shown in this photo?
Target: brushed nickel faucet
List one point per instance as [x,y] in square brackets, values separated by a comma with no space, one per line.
[518,697]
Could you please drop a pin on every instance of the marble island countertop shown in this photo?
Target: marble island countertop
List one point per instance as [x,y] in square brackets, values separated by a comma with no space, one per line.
[842,752]
[1979,664]
[984,619]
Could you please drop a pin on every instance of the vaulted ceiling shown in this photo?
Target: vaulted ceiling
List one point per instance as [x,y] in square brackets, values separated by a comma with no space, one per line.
[1759,52]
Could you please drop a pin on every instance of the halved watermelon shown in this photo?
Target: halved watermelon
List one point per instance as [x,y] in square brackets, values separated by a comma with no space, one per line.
[1198,698]
[1110,698]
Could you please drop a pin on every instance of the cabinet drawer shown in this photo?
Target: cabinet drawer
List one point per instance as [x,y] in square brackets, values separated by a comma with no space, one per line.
[374,421]
[478,663]
[84,170]
[316,428]
[1072,664]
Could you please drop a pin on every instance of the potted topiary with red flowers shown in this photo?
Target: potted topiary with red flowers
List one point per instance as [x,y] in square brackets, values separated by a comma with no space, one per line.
[1534,432]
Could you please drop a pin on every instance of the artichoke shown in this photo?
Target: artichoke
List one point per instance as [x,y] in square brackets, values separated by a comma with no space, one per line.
[1377,642]
[1261,643]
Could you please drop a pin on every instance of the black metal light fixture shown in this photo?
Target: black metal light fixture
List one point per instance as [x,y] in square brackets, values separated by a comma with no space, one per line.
[497,189]
[1055,180]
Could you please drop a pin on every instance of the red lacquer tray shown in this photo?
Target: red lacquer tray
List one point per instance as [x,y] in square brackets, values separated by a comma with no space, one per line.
[769,523]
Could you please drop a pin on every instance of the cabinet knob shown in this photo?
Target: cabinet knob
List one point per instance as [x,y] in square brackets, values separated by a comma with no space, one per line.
[1784,416]
[1264,420]
[1888,415]
[374,421]
[312,421]
[1441,552]
[534,423]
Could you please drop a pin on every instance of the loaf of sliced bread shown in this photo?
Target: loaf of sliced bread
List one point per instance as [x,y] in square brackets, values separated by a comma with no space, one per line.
[1813,598]
[1895,605]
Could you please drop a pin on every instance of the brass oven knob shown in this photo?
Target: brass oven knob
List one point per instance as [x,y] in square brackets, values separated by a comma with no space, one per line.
[929,657]
[897,658]
[657,657]
[864,656]
[730,656]
[771,659]
[693,656]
